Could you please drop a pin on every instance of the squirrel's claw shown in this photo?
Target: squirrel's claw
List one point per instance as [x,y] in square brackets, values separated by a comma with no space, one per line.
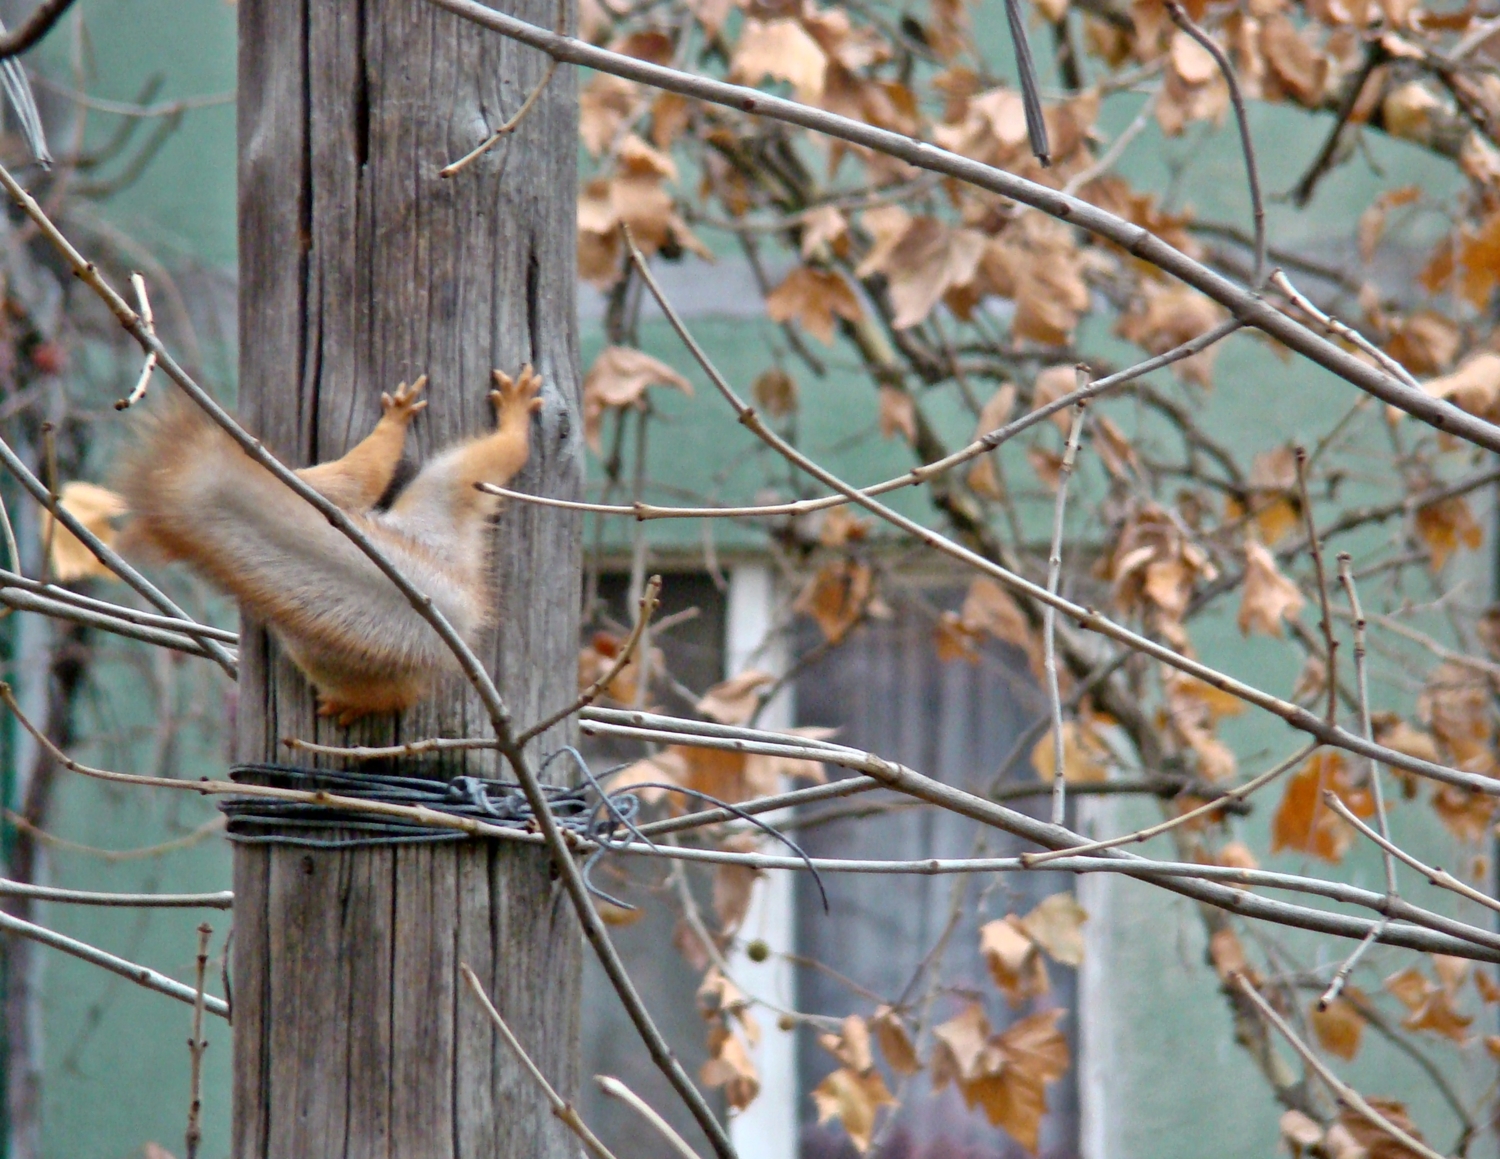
[404,404]
[343,713]
[523,393]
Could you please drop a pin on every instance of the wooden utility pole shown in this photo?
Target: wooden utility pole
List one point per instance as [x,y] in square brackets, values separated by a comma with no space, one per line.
[359,268]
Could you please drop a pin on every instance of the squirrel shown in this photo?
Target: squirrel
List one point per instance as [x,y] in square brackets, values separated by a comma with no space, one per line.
[194,495]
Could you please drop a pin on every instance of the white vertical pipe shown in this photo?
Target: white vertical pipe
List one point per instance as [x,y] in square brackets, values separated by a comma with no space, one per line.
[1096,1009]
[767,1129]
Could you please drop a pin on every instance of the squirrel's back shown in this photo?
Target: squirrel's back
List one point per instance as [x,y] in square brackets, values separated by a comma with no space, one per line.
[196,496]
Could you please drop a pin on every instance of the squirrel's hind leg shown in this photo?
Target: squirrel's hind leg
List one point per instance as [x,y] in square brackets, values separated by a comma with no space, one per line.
[348,702]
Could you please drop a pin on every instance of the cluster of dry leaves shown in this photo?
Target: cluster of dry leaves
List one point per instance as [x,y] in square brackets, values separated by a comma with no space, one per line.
[1003,1074]
[939,291]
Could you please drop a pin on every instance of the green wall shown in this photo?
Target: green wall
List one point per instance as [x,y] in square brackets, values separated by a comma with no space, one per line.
[116,1057]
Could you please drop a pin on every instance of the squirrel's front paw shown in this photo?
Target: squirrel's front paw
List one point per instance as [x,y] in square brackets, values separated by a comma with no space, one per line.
[522,394]
[404,404]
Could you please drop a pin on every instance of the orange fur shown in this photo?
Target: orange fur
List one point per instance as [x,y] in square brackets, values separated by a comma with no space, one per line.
[195,496]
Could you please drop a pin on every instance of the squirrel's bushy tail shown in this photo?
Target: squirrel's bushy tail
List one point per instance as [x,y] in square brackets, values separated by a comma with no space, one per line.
[196,496]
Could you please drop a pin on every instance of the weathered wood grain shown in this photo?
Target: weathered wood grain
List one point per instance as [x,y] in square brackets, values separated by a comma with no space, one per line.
[360,268]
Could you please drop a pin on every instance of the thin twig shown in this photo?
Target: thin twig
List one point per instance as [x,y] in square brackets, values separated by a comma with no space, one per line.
[134,972]
[114,856]
[1247,146]
[11,549]
[515,120]
[911,783]
[1031,100]
[1336,987]
[134,108]
[1239,793]
[1049,613]
[1440,935]
[560,1106]
[1340,329]
[11,579]
[1315,549]
[37,25]
[645,609]
[510,126]
[59,610]
[917,475]
[412,748]
[1354,87]
[49,467]
[1361,680]
[148,319]
[1117,147]
[1442,652]
[615,1089]
[1342,1091]
[1438,876]
[102,552]
[196,1046]
[222,900]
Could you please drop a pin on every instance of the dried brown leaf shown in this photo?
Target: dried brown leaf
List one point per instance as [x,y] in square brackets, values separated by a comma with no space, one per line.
[1301,69]
[731,1069]
[1304,823]
[95,508]
[824,228]
[996,412]
[775,392]
[1299,1131]
[853,1099]
[930,258]
[1473,387]
[781,50]
[1410,111]
[1085,757]
[1056,924]
[620,378]
[896,1045]
[958,1046]
[851,1045]
[1029,1055]
[734,885]
[1455,705]
[839,527]
[1372,221]
[1237,855]
[604,104]
[955,640]
[814,297]
[1338,1028]
[734,701]
[898,414]
[1014,959]
[1372,1142]
[1267,597]
[1168,316]
[1424,342]
[837,597]
[1227,955]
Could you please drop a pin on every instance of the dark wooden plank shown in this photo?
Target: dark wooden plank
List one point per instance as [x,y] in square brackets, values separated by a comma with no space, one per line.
[359,268]
[424,978]
[250,1000]
[475,1043]
[365,901]
[308,1065]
